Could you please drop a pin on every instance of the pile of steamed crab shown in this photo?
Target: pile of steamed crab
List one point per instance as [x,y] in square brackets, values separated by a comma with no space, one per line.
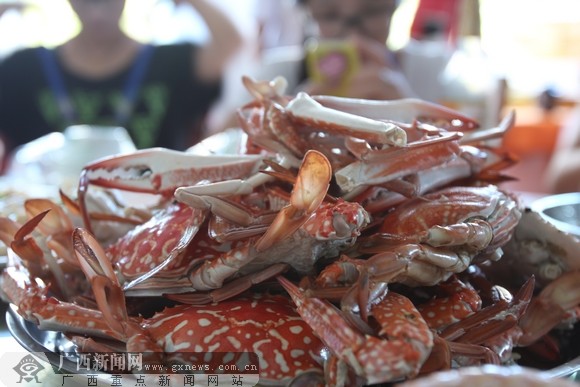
[344,241]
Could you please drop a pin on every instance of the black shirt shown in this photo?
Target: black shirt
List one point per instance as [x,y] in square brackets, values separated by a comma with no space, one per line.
[168,111]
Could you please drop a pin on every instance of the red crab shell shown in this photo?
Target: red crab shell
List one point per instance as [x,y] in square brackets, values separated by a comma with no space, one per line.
[455,205]
[267,326]
[149,244]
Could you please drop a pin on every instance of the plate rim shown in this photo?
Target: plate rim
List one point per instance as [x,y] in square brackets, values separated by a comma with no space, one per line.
[17,325]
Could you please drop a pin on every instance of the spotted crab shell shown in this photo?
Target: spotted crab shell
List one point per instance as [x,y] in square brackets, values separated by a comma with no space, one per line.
[269,327]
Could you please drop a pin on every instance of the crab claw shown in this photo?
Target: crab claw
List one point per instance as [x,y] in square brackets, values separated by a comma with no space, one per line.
[403,346]
[398,162]
[270,90]
[55,225]
[403,110]
[99,271]
[161,171]
[16,237]
[309,191]
[550,307]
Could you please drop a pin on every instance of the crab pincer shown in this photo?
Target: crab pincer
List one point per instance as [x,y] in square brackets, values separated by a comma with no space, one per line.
[161,171]
[398,351]
[309,191]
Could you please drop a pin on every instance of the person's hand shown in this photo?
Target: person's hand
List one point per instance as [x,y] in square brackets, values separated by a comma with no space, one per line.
[211,58]
[377,77]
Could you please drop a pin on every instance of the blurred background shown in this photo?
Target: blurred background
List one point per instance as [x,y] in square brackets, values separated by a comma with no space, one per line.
[531,46]
[534,43]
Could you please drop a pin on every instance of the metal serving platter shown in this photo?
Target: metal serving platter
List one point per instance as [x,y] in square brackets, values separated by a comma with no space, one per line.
[51,343]
[562,210]
[56,343]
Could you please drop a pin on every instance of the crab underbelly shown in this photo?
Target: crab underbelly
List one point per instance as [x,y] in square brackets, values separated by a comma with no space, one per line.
[300,251]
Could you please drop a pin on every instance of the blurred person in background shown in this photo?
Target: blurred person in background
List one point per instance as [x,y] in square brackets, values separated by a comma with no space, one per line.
[160,94]
[362,24]
[362,28]
[266,25]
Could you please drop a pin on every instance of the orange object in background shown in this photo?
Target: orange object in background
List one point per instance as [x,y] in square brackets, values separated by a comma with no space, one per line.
[532,140]
[537,127]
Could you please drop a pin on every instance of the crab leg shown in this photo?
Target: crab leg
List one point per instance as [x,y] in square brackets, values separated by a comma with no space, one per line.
[404,344]
[16,236]
[231,289]
[55,225]
[471,161]
[487,134]
[232,187]
[378,198]
[410,264]
[132,216]
[273,90]
[209,196]
[445,351]
[550,307]
[110,298]
[35,256]
[496,319]
[403,110]
[100,273]
[305,109]
[461,301]
[161,171]
[46,312]
[398,162]
[307,195]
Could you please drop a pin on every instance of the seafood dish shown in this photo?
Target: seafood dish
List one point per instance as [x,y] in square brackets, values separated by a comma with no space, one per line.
[345,241]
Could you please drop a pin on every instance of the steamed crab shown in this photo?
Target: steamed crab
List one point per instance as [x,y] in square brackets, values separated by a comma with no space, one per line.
[426,240]
[239,245]
[285,129]
[264,121]
[381,152]
[221,225]
[263,324]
